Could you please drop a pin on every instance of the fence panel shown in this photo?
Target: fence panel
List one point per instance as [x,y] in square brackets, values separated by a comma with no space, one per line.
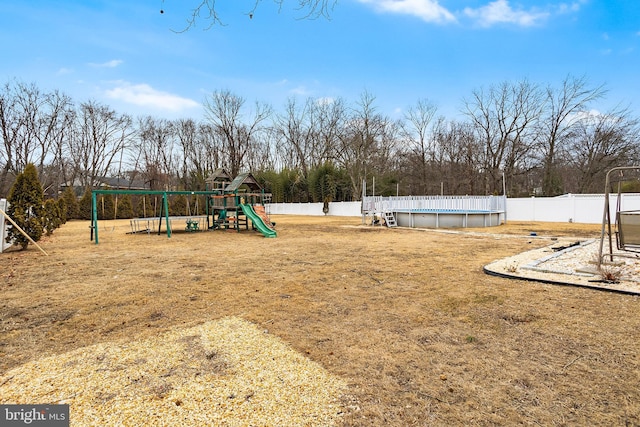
[4,225]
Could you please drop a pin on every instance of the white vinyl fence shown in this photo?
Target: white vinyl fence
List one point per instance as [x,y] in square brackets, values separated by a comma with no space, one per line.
[315,209]
[4,224]
[580,208]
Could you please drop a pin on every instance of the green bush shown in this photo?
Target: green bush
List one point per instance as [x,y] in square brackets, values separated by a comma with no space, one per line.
[125,207]
[106,206]
[71,202]
[178,205]
[25,207]
[62,208]
[84,205]
[51,219]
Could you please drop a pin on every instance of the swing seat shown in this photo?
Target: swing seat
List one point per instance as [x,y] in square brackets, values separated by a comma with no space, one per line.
[628,234]
[192,225]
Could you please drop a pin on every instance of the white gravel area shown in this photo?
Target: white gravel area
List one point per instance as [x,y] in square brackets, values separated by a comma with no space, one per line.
[574,261]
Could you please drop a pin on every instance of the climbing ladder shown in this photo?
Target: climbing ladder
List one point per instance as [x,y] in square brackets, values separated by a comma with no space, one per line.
[389,219]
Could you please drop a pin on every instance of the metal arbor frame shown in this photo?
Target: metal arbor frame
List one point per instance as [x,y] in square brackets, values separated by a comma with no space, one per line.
[606,216]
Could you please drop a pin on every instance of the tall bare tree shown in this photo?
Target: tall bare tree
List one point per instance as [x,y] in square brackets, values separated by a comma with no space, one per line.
[55,128]
[156,147]
[328,121]
[100,137]
[367,143]
[601,142]
[561,117]
[416,133]
[294,131]
[224,112]
[504,118]
[458,155]
[33,125]
[10,123]
[307,134]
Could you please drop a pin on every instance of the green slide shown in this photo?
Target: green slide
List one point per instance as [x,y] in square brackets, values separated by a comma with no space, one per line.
[257,221]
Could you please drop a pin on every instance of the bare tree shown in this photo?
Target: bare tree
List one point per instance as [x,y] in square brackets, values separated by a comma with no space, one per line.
[155,152]
[294,132]
[367,143]
[329,123]
[504,119]
[307,134]
[55,128]
[458,154]
[191,174]
[100,138]
[561,117]
[416,134]
[10,124]
[601,142]
[224,112]
[207,11]
[33,125]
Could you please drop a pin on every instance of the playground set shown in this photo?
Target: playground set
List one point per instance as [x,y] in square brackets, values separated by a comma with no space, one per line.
[230,204]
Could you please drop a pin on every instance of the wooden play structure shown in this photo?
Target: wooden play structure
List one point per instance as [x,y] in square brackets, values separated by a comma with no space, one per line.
[230,205]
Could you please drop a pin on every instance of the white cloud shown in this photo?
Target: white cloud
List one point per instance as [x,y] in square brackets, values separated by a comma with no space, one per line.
[427,10]
[571,7]
[145,96]
[300,91]
[109,64]
[64,71]
[499,11]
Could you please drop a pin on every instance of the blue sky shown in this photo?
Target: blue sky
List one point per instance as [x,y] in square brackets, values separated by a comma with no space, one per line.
[124,53]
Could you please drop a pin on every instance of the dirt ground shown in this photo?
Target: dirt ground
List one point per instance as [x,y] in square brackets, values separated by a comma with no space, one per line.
[406,318]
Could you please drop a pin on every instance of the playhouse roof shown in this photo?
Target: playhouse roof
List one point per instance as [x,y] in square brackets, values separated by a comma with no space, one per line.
[244,179]
[219,175]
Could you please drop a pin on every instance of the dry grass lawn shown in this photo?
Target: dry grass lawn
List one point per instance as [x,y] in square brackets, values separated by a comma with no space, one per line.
[405,318]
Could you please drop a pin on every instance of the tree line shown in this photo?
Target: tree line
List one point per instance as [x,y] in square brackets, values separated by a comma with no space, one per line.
[529,138]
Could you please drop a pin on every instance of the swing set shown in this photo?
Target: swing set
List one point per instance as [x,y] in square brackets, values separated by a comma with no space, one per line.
[230,205]
[193,222]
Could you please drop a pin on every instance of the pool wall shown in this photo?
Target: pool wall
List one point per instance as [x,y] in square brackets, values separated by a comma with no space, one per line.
[448,219]
[438,211]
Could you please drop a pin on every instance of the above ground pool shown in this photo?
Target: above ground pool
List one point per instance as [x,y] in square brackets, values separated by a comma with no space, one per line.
[439,211]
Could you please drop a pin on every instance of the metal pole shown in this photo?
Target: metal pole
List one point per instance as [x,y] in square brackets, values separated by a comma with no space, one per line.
[94,216]
[606,215]
[166,212]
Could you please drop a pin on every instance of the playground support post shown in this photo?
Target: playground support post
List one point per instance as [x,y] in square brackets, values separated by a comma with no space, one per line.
[166,213]
[94,217]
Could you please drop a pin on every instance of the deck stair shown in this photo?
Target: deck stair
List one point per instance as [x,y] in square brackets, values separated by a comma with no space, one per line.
[390,219]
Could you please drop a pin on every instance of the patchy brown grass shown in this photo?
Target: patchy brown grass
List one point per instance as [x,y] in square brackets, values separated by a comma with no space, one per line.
[406,317]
